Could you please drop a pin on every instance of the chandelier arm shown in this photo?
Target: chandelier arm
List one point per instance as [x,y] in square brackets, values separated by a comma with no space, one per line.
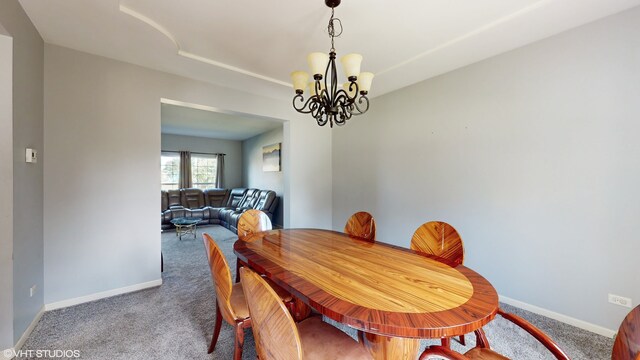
[304,106]
[322,118]
[342,98]
[362,99]
[345,110]
[314,108]
[355,91]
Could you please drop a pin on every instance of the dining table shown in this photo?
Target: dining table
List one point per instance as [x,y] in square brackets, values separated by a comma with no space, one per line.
[395,296]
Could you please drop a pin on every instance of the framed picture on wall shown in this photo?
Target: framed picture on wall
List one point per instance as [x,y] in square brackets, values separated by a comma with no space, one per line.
[271,157]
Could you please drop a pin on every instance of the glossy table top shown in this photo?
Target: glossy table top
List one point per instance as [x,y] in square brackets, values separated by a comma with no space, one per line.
[375,287]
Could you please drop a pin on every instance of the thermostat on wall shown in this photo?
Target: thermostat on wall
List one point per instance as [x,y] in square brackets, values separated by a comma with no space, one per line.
[31,156]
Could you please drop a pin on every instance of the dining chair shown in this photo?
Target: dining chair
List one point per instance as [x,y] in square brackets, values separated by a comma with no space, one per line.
[482,350]
[362,225]
[230,299]
[627,343]
[251,222]
[278,337]
[440,239]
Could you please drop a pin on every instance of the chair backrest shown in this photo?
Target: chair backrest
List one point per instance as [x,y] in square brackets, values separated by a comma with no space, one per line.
[627,343]
[192,198]
[361,224]
[253,221]
[440,239]
[221,275]
[274,330]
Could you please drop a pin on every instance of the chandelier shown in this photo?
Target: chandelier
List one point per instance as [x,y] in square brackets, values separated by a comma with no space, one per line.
[329,101]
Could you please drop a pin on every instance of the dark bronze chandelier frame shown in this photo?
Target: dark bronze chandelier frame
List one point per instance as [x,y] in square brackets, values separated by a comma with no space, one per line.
[330,104]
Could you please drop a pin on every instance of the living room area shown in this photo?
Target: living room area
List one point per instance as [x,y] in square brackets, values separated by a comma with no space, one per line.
[213,164]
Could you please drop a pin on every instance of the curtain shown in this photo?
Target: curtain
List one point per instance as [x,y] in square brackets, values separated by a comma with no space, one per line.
[185,169]
[220,171]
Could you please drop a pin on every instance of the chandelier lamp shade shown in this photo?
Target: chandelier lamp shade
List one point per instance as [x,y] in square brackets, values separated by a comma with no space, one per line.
[328,101]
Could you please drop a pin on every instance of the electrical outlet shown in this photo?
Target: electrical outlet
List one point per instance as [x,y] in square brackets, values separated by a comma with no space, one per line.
[620,300]
[32,291]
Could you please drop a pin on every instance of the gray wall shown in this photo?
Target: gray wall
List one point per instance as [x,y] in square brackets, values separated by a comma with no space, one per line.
[254,177]
[28,62]
[6,193]
[532,155]
[233,149]
[102,139]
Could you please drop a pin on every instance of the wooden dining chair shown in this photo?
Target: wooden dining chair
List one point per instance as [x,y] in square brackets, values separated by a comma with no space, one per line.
[627,343]
[251,221]
[362,225]
[230,300]
[440,239]
[278,337]
[482,351]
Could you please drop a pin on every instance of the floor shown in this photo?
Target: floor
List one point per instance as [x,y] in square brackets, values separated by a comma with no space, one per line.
[175,320]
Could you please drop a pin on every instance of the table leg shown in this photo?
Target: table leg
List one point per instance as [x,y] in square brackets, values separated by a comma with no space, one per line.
[301,310]
[384,347]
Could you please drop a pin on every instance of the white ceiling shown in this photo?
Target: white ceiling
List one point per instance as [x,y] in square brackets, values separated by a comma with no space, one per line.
[255,44]
[184,120]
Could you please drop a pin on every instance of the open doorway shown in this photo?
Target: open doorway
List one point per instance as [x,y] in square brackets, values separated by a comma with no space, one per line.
[214,164]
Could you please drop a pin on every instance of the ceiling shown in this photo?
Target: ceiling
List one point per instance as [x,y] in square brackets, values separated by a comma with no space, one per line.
[253,45]
[184,120]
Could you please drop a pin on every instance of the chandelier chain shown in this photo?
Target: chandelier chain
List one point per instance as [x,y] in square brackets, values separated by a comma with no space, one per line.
[331,28]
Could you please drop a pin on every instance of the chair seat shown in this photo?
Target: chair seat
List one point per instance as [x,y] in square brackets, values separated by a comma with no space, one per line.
[484,354]
[323,341]
[239,304]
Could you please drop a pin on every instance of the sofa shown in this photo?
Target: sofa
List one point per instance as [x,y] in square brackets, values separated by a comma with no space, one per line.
[215,206]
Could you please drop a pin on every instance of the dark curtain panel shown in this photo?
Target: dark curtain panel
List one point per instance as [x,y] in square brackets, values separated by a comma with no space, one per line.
[220,171]
[185,169]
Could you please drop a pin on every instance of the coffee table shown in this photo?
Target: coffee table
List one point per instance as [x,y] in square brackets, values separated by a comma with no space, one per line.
[185,226]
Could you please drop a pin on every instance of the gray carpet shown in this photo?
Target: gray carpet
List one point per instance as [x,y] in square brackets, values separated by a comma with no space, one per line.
[175,320]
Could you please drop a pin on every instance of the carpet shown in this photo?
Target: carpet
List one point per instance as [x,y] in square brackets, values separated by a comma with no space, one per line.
[175,320]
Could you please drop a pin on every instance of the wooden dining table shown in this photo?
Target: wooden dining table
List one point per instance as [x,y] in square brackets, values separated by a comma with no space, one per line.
[396,296]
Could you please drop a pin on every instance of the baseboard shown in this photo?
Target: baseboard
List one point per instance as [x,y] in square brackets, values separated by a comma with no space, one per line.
[23,338]
[600,330]
[101,295]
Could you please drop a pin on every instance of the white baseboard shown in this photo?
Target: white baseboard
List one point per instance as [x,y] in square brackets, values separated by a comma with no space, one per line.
[23,338]
[600,330]
[101,295]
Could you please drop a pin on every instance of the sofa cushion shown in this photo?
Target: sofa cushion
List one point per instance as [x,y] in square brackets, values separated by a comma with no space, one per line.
[174,197]
[249,200]
[192,198]
[225,215]
[235,196]
[265,200]
[216,197]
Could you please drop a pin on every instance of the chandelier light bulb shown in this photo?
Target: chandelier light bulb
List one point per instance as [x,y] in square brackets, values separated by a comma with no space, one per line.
[364,81]
[317,63]
[351,65]
[299,79]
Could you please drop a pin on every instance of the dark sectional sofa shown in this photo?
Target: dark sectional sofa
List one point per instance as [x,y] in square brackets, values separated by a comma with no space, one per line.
[215,206]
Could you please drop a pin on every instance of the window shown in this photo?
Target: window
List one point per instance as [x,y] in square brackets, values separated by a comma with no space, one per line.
[170,171]
[203,171]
